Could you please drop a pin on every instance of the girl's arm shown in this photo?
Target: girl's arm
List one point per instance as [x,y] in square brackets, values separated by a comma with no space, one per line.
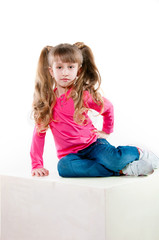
[108,112]
[36,153]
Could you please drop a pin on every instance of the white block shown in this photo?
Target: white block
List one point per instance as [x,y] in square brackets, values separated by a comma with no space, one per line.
[55,208]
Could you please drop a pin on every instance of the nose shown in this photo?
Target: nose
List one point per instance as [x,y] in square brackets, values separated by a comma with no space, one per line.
[65,71]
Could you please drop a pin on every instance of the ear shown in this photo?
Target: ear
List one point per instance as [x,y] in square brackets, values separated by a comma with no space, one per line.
[51,71]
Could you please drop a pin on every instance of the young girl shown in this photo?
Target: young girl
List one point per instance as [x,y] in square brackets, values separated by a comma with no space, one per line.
[66,87]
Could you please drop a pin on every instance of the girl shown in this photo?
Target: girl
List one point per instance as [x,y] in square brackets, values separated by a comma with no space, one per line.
[66,87]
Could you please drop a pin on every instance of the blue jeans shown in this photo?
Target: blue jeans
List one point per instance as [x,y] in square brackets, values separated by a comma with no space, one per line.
[100,159]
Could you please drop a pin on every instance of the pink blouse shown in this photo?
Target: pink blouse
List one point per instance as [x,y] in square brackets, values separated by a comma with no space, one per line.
[69,136]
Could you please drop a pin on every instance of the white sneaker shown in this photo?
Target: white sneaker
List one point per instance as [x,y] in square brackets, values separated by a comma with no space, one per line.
[149,157]
[138,168]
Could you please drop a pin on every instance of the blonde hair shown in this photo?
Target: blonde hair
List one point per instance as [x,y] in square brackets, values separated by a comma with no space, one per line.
[88,80]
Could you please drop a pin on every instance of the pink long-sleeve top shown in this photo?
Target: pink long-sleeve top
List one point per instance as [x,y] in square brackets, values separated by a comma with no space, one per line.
[69,136]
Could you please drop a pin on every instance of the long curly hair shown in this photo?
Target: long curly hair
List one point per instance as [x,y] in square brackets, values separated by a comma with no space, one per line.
[88,80]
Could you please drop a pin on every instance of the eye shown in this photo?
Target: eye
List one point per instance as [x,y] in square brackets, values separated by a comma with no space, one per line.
[71,66]
[58,67]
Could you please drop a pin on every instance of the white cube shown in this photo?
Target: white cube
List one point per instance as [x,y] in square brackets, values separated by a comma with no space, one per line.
[55,208]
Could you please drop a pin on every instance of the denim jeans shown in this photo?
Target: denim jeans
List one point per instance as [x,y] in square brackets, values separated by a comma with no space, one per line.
[100,159]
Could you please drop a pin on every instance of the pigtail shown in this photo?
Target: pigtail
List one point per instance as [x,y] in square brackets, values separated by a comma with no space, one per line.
[89,79]
[90,74]
[44,97]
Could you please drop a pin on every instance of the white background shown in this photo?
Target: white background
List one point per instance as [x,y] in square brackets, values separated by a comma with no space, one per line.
[124,37]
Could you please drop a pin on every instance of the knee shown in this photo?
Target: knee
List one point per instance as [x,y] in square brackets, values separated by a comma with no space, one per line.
[64,169]
[61,167]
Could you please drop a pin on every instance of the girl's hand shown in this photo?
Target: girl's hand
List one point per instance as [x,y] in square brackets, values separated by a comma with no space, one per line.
[102,134]
[40,172]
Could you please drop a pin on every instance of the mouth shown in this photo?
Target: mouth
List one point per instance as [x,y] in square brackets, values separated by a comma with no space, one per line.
[65,79]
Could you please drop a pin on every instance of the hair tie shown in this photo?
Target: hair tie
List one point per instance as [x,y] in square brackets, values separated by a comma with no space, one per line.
[49,48]
[80,45]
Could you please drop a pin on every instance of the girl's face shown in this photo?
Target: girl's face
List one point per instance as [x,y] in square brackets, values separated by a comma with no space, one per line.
[64,73]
